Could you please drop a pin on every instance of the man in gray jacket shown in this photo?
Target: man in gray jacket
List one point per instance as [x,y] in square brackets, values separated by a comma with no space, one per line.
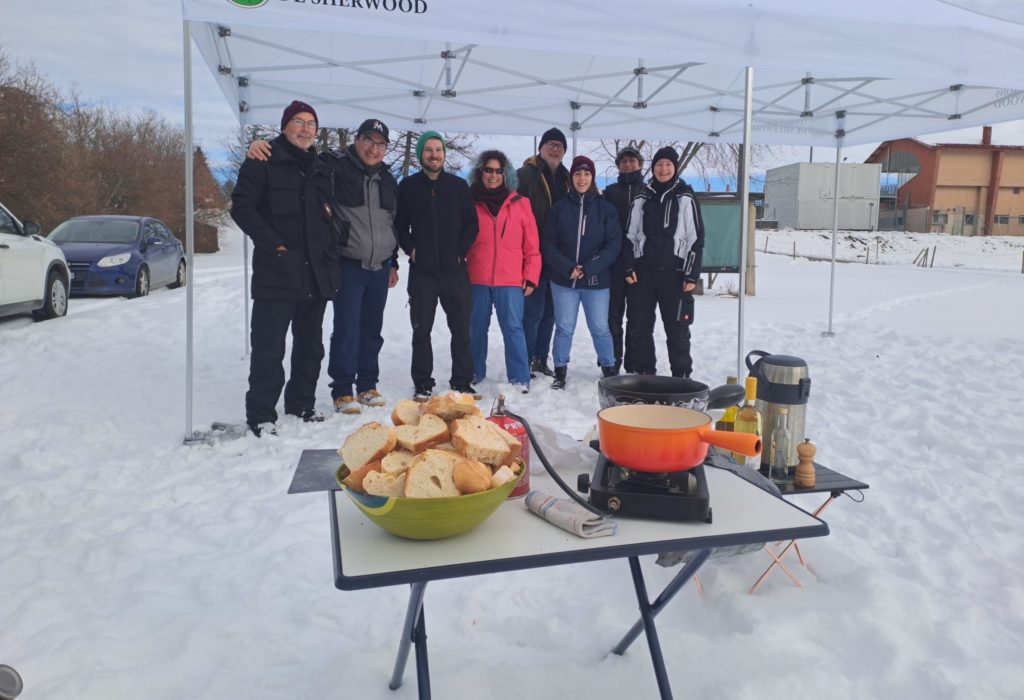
[365,201]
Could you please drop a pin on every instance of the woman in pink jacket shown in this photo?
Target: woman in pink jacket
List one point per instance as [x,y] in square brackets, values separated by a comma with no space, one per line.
[504,264]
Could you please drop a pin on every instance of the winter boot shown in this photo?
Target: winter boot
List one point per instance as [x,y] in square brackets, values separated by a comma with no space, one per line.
[540,366]
[610,371]
[559,382]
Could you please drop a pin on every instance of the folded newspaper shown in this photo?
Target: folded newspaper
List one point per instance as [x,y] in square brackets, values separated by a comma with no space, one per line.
[569,515]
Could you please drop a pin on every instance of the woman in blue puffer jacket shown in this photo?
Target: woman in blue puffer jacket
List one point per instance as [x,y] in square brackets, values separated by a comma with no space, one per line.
[580,241]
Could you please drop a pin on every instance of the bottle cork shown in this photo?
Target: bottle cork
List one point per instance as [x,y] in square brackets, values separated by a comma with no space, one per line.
[805,468]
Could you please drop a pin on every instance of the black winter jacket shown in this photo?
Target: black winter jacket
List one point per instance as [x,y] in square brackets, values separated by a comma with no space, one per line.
[534,185]
[666,231]
[621,194]
[437,219]
[581,230]
[276,204]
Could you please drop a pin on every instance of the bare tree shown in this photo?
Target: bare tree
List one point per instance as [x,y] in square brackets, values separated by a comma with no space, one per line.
[711,161]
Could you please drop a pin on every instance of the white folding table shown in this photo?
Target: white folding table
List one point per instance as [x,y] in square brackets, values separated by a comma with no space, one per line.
[367,557]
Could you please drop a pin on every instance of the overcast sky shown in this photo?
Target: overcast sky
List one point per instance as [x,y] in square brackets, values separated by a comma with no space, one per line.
[129,54]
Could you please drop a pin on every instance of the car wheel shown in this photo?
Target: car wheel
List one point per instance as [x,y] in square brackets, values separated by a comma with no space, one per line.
[56,302]
[181,277]
[141,283]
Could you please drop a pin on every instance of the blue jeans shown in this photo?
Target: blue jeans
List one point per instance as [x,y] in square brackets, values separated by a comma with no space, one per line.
[358,319]
[567,310]
[508,304]
[539,320]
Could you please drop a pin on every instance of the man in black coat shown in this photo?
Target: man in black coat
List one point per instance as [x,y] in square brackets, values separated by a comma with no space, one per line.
[543,180]
[621,193]
[436,223]
[294,271]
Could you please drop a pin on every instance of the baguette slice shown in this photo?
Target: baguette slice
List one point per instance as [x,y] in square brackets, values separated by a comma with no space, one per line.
[355,478]
[367,444]
[432,475]
[406,412]
[396,462]
[478,438]
[380,484]
[430,431]
[514,446]
[471,476]
[451,405]
[501,476]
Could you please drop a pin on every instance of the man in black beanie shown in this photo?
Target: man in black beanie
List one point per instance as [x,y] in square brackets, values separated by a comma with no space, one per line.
[620,193]
[543,180]
[294,271]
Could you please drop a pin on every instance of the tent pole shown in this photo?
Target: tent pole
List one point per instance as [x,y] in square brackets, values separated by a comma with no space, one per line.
[840,132]
[189,228]
[744,192]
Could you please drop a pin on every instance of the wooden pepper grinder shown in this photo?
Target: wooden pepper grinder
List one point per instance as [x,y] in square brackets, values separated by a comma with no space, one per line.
[805,468]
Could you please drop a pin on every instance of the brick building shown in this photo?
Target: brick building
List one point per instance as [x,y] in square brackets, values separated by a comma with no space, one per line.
[958,188]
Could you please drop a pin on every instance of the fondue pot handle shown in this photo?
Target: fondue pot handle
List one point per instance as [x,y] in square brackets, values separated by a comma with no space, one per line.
[758,354]
[744,443]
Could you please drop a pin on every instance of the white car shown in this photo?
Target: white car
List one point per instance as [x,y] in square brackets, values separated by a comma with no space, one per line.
[33,271]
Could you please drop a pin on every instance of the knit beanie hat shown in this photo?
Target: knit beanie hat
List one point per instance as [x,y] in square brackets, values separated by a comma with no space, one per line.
[373,126]
[422,141]
[294,108]
[582,163]
[669,153]
[554,134]
[629,151]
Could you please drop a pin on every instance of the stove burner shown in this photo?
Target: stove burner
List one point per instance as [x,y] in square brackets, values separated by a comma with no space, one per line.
[681,496]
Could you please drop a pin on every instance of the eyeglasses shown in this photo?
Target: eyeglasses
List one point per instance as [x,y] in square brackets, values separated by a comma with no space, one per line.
[554,145]
[370,143]
[494,171]
[300,123]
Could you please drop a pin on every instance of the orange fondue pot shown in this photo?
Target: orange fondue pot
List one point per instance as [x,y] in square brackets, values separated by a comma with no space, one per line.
[649,438]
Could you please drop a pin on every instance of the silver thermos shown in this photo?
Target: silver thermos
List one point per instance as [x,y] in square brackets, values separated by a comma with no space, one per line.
[782,382]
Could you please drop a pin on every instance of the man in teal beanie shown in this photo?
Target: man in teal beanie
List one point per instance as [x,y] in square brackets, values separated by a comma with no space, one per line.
[436,224]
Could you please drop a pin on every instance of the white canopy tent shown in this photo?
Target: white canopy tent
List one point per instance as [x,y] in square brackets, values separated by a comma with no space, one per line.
[829,75]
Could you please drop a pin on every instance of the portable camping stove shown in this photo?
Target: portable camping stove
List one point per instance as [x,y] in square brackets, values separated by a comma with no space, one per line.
[680,496]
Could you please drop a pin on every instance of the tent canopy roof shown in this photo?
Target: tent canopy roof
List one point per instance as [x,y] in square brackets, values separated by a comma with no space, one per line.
[658,69]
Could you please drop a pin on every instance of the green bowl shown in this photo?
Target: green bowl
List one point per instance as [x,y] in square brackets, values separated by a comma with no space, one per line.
[429,518]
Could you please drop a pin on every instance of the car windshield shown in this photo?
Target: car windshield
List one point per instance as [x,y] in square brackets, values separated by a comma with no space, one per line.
[96,231]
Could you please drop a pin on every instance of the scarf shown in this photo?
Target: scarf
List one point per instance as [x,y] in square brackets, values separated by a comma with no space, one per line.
[492,199]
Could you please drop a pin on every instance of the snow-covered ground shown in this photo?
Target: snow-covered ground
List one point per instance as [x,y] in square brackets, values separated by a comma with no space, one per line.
[132,566]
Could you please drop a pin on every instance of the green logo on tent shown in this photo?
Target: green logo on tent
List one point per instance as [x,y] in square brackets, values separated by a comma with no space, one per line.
[248,3]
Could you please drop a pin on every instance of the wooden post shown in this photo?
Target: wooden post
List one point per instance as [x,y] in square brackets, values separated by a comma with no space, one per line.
[932,263]
[867,253]
[794,250]
[1022,262]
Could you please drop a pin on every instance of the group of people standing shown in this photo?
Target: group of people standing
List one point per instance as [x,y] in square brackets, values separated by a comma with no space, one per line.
[328,226]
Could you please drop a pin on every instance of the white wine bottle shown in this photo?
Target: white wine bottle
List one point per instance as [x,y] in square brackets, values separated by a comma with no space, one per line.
[778,450]
[728,420]
[748,420]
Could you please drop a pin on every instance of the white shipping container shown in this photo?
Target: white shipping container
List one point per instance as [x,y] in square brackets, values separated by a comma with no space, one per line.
[799,195]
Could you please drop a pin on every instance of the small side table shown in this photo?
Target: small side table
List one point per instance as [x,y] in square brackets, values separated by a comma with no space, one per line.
[825,481]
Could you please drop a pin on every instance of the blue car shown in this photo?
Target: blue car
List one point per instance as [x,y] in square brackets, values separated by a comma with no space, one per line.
[125,255]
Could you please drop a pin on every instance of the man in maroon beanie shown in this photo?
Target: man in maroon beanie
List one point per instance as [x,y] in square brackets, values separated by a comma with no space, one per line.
[294,271]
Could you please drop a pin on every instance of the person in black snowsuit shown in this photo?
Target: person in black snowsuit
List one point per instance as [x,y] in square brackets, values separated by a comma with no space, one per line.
[436,223]
[621,193]
[663,264]
[294,271]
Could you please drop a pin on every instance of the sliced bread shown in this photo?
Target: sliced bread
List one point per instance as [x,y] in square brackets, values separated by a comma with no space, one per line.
[451,405]
[355,478]
[406,412]
[380,484]
[430,431]
[502,475]
[471,476]
[396,462]
[367,444]
[431,475]
[479,439]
